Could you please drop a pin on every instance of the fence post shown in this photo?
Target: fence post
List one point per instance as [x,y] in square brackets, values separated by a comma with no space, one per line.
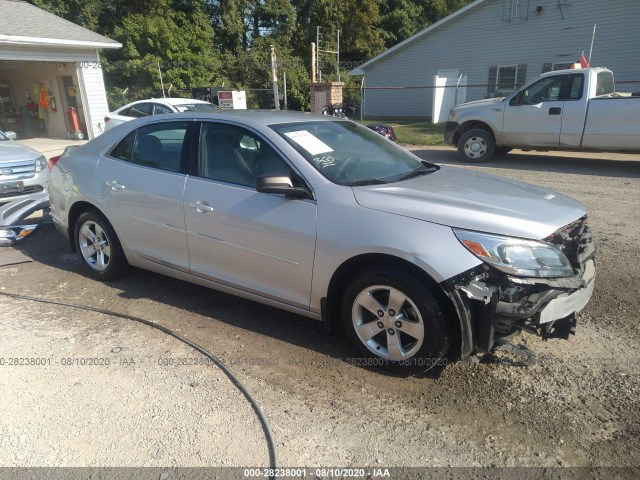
[362,100]
[284,81]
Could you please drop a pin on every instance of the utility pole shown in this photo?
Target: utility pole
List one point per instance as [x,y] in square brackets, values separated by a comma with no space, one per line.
[274,75]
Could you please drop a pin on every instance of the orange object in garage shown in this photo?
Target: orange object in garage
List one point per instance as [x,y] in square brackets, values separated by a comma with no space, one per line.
[74,124]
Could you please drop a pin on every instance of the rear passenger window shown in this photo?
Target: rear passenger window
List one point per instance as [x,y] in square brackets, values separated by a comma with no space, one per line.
[160,146]
[140,110]
[604,84]
[122,151]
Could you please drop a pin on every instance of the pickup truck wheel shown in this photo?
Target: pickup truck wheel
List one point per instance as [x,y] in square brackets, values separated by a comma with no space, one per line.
[98,246]
[476,145]
[394,322]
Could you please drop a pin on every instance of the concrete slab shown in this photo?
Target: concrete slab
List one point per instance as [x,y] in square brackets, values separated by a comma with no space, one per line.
[50,146]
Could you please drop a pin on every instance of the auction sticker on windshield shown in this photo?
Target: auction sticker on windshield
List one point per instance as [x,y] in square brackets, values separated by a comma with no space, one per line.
[309,142]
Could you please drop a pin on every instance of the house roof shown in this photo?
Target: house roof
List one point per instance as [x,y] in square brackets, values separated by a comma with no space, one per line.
[24,24]
[440,23]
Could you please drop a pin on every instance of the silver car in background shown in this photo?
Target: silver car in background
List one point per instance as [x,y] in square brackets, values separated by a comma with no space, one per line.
[23,170]
[325,218]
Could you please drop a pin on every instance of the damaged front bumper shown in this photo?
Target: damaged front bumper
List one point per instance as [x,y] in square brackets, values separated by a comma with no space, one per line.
[492,305]
[13,215]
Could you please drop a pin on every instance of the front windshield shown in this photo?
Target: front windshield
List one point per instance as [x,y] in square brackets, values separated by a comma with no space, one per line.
[349,154]
[197,107]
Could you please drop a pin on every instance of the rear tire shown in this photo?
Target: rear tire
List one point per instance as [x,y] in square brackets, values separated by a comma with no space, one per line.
[394,322]
[476,145]
[98,246]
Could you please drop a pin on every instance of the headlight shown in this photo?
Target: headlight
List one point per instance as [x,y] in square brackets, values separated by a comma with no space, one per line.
[41,164]
[452,116]
[525,258]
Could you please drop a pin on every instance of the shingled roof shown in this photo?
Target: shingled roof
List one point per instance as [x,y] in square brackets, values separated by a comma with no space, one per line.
[24,24]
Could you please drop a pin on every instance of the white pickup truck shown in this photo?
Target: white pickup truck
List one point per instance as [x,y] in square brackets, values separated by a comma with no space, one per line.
[562,110]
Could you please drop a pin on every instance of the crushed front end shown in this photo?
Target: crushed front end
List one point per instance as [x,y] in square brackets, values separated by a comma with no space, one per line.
[493,305]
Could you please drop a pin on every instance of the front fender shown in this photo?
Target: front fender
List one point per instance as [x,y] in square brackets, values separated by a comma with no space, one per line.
[359,230]
[489,117]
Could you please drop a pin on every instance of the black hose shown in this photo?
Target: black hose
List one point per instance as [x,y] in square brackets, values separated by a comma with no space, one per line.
[263,421]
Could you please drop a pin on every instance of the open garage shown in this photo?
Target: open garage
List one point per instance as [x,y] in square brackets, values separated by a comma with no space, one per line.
[51,82]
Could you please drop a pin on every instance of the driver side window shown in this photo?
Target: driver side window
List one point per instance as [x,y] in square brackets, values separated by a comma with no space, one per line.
[545,90]
[234,155]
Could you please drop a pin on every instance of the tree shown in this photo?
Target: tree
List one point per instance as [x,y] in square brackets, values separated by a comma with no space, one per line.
[173,35]
[81,12]
[400,20]
[357,20]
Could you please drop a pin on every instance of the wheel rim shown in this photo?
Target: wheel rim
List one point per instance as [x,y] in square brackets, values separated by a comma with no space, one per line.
[475,147]
[388,323]
[95,246]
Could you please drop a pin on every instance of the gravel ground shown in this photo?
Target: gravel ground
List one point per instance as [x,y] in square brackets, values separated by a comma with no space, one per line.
[578,407]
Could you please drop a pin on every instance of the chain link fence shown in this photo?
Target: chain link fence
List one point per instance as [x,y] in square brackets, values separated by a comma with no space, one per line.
[257,98]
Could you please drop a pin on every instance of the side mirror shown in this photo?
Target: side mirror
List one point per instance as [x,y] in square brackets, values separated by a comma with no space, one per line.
[11,135]
[517,99]
[280,185]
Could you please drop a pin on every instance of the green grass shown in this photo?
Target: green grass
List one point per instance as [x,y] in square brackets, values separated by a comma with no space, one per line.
[412,130]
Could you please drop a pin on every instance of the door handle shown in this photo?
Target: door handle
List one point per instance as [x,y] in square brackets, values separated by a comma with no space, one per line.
[555,111]
[115,185]
[201,206]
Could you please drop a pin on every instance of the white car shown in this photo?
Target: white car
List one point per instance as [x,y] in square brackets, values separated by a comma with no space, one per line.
[156,106]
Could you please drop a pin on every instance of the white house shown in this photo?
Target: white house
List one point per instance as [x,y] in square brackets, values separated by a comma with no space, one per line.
[48,61]
[493,46]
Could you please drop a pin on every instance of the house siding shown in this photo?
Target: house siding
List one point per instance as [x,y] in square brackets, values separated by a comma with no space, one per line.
[93,95]
[480,38]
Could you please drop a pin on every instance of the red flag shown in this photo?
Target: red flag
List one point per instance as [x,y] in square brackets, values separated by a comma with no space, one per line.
[583,62]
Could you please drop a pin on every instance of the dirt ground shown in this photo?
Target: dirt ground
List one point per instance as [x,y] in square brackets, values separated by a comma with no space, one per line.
[578,407]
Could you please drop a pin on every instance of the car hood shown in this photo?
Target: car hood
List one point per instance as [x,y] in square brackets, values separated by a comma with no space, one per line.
[478,103]
[476,201]
[11,151]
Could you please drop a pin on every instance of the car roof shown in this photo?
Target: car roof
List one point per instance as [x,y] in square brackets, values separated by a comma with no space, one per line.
[264,117]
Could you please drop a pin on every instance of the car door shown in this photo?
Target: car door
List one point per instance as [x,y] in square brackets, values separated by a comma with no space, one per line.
[574,112]
[258,242]
[534,116]
[142,180]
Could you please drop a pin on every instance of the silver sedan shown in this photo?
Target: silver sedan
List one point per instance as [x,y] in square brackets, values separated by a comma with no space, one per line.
[325,218]
[23,170]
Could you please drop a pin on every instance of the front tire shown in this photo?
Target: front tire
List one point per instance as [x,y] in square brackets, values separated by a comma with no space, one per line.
[395,322]
[476,145]
[98,246]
